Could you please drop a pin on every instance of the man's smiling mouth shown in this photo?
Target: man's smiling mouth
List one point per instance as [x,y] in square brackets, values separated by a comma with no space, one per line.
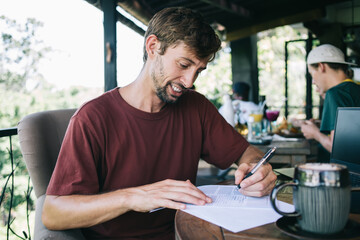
[175,88]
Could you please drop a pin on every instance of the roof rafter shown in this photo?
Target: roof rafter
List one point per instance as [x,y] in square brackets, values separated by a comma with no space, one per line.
[229,6]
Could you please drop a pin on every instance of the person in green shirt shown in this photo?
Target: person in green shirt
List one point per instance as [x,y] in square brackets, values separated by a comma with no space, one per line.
[332,76]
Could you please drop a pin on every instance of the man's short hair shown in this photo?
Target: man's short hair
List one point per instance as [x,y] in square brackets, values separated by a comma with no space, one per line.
[177,24]
[338,66]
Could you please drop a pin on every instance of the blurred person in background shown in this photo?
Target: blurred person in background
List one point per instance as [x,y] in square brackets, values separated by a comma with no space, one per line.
[241,102]
[241,105]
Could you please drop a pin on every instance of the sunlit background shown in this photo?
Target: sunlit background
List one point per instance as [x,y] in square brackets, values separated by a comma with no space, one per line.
[74,29]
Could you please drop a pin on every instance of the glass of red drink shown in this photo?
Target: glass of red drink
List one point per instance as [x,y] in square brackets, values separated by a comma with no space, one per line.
[272,116]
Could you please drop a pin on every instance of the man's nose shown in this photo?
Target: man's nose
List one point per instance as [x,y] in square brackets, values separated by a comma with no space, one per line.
[188,79]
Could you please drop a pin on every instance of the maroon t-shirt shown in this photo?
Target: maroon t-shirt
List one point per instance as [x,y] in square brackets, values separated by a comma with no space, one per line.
[111,145]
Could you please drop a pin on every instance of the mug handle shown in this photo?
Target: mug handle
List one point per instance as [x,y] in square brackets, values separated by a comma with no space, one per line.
[273,195]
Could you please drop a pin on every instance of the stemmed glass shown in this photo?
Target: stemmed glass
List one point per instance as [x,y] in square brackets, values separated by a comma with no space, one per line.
[272,116]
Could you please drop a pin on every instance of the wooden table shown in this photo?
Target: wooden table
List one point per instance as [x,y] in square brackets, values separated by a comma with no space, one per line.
[189,227]
[289,152]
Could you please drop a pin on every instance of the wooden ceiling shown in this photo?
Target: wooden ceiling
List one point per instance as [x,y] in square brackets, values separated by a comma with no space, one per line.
[239,18]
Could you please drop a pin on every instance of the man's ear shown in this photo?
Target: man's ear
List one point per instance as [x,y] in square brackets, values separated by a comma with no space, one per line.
[152,45]
[322,67]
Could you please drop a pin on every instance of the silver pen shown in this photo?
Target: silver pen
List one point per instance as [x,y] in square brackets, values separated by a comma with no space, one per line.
[262,161]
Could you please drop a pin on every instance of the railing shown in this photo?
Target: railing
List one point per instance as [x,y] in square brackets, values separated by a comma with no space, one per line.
[8,198]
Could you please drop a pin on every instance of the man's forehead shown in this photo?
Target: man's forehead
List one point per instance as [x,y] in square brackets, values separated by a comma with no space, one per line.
[188,53]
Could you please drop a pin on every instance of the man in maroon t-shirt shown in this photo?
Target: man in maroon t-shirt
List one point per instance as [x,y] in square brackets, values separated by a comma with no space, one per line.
[137,148]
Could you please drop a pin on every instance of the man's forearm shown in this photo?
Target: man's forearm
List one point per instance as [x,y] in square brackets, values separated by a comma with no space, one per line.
[251,155]
[324,140]
[76,211]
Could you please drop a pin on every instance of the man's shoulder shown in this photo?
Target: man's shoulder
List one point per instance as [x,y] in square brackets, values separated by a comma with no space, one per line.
[346,85]
[344,89]
[98,105]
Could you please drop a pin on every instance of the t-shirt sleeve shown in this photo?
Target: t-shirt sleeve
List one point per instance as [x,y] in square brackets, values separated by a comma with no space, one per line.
[222,144]
[75,171]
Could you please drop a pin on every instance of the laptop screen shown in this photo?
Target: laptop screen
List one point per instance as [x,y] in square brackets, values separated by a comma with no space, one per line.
[346,143]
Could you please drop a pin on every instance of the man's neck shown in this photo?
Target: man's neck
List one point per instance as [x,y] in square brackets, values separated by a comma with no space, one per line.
[336,78]
[140,94]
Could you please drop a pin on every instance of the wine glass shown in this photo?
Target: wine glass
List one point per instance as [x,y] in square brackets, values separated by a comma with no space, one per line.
[272,116]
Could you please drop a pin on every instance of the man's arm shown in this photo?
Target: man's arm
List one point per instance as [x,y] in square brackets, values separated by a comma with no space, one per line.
[262,181]
[76,211]
[311,131]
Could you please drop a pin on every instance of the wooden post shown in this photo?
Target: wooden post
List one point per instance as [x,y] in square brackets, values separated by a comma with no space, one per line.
[109,10]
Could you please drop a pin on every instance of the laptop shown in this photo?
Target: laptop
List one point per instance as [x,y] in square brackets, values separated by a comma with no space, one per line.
[346,147]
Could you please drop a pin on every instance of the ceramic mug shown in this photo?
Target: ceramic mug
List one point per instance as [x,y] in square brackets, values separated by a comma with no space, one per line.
[321,196]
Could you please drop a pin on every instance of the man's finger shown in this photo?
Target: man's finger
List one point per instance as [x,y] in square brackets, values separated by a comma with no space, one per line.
[242,170]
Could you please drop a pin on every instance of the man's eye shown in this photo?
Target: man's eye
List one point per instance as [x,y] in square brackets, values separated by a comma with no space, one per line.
[183,65]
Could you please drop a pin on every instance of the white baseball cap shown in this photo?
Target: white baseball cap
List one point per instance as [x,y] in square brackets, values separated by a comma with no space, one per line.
[327,53]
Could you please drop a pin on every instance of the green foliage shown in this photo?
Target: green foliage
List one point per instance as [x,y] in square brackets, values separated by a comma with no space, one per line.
[271,64]
[20,53]
[18,199]
[23,90]
[216,80]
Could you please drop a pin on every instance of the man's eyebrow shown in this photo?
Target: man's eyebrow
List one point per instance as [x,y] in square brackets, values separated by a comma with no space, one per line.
[192,62]
[188,59]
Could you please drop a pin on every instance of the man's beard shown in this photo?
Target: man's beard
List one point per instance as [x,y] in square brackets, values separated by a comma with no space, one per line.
[157,80]
[162,94]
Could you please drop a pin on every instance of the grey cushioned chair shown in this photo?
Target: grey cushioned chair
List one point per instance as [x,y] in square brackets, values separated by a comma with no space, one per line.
[41,135]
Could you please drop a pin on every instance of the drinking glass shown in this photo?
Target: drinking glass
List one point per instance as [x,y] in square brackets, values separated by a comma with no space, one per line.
[272,116]
[255,124]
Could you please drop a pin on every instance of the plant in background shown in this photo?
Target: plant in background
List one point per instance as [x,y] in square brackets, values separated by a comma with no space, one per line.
[11,198]
[271,65]
[20,53]
[216,80]
[23,90]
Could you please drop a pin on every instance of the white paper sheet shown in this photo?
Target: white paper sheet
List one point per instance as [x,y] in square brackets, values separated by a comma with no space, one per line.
[234,211]
[278,138]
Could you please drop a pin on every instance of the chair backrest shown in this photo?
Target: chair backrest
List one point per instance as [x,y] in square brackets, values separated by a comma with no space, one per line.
[41,135]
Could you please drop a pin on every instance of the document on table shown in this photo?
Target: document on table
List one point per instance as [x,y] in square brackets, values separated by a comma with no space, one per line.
[234,211]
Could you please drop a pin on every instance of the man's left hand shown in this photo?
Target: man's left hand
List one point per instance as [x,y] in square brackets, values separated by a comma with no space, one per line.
[309,129]
[259,184]
[262,181]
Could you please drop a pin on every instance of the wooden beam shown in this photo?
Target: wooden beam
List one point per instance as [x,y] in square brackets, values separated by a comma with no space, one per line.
[229,6]
[296,18]
[130,24]
[135,9]
[110,18]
